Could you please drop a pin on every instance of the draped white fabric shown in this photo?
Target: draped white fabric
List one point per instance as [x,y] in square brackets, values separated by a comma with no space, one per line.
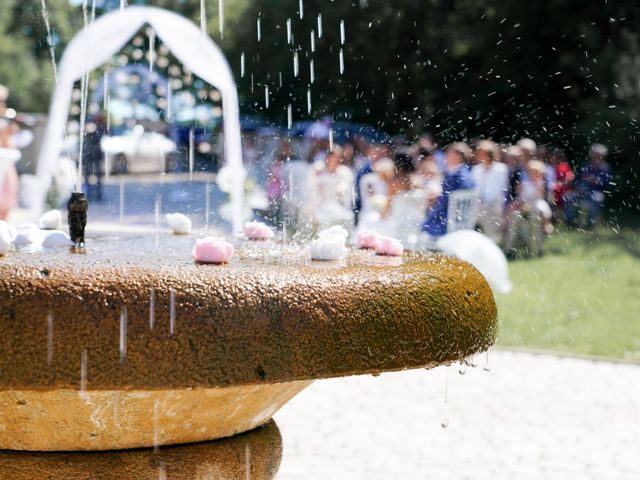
[95,45]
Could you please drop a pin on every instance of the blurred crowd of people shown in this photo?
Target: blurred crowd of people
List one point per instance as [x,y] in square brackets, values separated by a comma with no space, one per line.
[518,192]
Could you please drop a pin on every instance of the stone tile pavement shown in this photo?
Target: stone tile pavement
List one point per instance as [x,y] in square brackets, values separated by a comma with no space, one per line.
[530,416]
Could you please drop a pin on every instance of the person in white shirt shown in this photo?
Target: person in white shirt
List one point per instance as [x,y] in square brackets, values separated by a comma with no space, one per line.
[491,178]
[333,191]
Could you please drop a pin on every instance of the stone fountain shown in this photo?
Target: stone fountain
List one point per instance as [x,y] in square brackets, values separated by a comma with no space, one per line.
[124,344]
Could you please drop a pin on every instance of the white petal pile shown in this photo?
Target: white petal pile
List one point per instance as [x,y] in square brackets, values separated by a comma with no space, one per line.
[5,237]
[51,220]
[56,239]
[179,223]
[330,244]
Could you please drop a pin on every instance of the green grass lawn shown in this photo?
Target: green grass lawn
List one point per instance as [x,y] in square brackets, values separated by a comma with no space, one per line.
[582,296]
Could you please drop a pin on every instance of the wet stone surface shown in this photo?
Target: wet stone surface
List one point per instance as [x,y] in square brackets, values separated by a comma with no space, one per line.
[530,417]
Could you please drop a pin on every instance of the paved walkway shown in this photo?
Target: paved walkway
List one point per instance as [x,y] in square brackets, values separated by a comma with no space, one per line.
[528,417]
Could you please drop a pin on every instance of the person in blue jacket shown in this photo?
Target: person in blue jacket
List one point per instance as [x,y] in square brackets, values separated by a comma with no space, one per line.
[457,176]
[590,187]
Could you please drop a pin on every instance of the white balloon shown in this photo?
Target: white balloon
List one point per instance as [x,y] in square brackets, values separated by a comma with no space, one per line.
[481,252]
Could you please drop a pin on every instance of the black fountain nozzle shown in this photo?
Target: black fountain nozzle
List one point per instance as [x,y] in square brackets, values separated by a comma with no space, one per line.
[77,207]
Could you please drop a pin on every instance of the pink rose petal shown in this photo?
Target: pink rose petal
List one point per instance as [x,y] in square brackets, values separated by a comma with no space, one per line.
[212,250]
[389,246]
[257,231]
[367,239]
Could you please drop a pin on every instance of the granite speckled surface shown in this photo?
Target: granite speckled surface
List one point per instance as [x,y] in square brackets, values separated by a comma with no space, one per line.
[271,315]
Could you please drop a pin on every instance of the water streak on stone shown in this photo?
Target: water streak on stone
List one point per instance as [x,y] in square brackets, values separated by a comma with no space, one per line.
[172,310]
[247,461]
[152,308]
[83,372]
[49,338]
[123,333]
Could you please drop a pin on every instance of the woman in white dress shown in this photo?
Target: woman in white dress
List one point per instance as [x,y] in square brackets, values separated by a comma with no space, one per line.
[407,204]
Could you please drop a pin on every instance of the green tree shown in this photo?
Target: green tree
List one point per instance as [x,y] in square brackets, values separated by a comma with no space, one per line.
[25,65]
[459,68]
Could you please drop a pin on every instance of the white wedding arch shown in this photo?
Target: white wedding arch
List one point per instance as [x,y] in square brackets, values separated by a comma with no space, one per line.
[94,46]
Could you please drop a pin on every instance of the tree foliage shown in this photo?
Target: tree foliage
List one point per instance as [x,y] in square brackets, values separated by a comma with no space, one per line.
[563,71]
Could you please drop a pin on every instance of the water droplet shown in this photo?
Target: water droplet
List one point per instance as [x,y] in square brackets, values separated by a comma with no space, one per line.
[444,423]
[247,461]
[462,370]
[156,425]
[49,337]
[152,308]
[123,333]
[83,372]
[221,17]
[172,310]
[295,64]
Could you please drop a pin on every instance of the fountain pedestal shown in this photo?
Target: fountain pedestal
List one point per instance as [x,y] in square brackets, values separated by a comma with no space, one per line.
[132,345]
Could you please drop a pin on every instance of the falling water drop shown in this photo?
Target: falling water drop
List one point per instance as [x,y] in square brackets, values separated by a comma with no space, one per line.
[162,167]
[301,9]
[486,362]
[258,29]
[152,308]
[331,139]
[49,337]
[319,25]
[123,333]
[266,96]
[280,79]
[247,448]
[172,311]
[121,199]
[295,63]
[203,17]
[123,3]
[308,100]
[289,36]
[83,371]
[169,99]
[289,116]
[312,71]
[207,205]
[462,370]
[191,153]
[312,37]
[105,89]
[252,83]
[444,423]
[152,48]
[342,34]
[221,17]
[158,207]
[156,425]
[52,53]
[341,62]
[242,65]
